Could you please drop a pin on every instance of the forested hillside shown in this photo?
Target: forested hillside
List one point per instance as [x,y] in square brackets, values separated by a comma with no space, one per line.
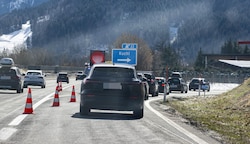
[75,26]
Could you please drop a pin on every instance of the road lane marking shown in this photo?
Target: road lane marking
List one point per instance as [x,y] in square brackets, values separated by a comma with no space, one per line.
[20,118]
[7,132]
[175,125]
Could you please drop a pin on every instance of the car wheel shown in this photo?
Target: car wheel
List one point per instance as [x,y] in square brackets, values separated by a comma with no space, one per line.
[157,93]
[153,94]
[146,97]
[84,110]
[138,113]
[19,90]
[43,86]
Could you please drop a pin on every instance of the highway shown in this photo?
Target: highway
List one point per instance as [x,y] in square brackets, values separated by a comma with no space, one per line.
[64,124]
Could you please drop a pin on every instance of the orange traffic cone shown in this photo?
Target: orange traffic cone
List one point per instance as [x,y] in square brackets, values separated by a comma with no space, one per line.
[28,107]
[56,98]
[73,95]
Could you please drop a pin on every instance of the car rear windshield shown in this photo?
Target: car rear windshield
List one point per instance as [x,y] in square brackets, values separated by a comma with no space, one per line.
[7,71]
[62,75]
[149,76]
[113,72]
[174,81]
[195,81]
[33,73]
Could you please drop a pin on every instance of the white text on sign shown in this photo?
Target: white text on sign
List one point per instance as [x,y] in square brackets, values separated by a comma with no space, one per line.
[124,53]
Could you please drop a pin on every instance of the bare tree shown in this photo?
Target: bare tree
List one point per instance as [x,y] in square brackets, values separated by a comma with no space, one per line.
[144,53]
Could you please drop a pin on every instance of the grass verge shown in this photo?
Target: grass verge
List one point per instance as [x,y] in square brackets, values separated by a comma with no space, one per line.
[228,114]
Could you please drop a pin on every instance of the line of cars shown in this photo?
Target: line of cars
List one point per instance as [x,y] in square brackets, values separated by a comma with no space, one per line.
[175,82]
[11,77]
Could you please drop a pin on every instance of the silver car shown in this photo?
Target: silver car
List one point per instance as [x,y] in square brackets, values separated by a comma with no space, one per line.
[34,78]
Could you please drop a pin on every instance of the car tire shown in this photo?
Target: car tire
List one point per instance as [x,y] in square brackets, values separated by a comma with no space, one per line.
[43,86]
[19,90]
[146,97]
[157,93]
[138,113]
[84,110]
[153,94]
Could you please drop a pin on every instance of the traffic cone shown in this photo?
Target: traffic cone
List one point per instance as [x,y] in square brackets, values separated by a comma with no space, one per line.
[56,98]
[28,107]
[73,95]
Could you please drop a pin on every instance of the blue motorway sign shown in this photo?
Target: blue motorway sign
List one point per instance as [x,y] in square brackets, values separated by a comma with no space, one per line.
[126,56]
[130,45]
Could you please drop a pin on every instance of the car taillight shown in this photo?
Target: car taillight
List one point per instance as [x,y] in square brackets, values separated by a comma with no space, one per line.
[163,84]
[133,97]
[92,84]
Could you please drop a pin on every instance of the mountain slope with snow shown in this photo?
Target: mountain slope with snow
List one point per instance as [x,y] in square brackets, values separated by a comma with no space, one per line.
[15,39]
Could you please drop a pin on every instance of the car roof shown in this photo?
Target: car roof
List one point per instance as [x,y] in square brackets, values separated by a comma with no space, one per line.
[7,62]
[34,71]
[63,73]
[113,65]
[160,78]
[198,78]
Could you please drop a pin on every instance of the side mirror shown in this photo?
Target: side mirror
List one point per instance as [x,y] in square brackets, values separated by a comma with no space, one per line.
[84,76]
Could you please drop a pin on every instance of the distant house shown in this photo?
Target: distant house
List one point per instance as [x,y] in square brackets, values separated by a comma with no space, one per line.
[227,61]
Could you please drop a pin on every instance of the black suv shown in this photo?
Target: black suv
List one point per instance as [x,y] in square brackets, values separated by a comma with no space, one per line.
[112,87]
[62,77]
[11,78]
[153,84]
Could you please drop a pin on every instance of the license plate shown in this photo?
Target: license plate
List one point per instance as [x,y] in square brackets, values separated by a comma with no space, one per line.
[112,86]
[204,87]
[5,77]
[173,86]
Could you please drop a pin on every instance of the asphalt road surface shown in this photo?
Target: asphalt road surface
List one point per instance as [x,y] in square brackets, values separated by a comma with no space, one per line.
[64,124]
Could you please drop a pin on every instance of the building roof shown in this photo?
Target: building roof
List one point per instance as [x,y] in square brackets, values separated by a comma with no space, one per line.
[238,63]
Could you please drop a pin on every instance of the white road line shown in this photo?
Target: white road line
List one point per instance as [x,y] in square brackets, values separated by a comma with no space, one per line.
[5,133]
[179,128]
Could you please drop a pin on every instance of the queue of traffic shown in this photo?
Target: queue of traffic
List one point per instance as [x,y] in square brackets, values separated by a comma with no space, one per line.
[104,86]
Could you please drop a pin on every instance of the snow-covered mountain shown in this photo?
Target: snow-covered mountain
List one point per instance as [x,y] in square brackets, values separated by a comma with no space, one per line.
[10,5]
[17,38]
